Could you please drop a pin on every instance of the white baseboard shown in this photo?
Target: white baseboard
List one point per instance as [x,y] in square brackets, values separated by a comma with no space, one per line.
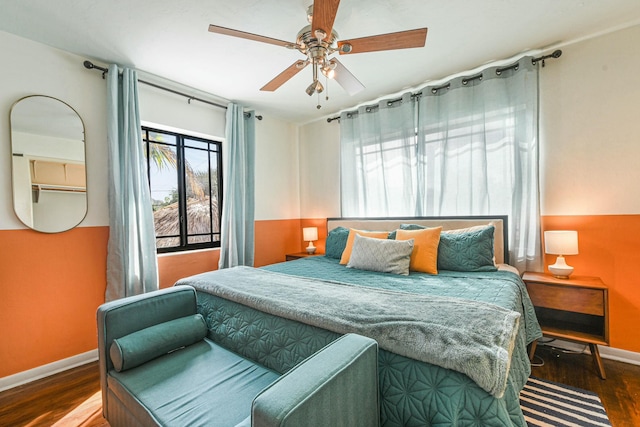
[605,352]
[43,371]
[619,355]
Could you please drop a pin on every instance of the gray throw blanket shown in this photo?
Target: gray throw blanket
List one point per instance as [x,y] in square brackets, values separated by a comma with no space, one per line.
[474,338]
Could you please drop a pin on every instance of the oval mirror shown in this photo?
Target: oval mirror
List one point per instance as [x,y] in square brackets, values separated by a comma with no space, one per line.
[48,168]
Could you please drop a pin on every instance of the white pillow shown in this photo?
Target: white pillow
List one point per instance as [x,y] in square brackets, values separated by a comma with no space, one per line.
[385,256]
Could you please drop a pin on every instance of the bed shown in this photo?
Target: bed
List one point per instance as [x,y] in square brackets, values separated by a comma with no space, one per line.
[452,344]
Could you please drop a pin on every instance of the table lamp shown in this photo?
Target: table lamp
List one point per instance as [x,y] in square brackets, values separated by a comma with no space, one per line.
[561,242]
[310,234]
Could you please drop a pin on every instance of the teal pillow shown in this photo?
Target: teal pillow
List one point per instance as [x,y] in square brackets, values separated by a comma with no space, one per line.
[139,347]
[392,235]
[466,249]
[412,227]
[382,255]
[336,242]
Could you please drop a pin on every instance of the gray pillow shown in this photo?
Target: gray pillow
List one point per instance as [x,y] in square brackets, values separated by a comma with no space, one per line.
[139,347]
[385,256]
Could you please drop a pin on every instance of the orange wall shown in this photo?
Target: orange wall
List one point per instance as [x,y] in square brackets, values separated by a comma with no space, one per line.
[273,240]
[50,288]
[172,267]
[276,238]
[52,284]
[609,247]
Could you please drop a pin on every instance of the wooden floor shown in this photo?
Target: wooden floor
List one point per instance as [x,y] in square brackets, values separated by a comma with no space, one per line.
[620,392]
[73,398]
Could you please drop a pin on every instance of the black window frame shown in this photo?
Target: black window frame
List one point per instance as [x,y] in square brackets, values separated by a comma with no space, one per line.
[182,191]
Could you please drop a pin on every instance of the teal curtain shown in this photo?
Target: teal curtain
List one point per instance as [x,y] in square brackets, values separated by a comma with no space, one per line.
[465,147]
[131,259]
[238,207]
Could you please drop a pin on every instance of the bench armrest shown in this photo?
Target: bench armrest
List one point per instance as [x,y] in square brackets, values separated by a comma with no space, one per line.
[337,386]
[127,315]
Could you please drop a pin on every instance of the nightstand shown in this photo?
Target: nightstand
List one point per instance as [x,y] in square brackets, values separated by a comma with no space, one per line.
[574,309]
[298,255]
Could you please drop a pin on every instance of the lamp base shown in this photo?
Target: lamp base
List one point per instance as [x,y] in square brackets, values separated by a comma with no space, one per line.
[560,269]
[311,249]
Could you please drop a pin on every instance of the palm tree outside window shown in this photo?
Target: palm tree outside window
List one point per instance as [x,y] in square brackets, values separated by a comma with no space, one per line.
[185,178]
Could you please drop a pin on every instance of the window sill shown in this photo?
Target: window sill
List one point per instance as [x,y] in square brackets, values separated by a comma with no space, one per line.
[178,253]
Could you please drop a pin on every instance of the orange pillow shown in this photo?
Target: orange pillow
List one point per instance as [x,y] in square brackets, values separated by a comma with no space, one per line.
[424,257]
[346,254]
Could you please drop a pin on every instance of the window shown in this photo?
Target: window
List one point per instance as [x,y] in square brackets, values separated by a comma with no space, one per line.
[460,149]
[185,178]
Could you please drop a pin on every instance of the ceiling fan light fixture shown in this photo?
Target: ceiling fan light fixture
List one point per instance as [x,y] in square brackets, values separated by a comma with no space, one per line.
[329,73]
[314,87]
[329,70]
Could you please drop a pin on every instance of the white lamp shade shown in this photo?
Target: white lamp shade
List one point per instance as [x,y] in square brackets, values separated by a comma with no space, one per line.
[310,234]
[561,242]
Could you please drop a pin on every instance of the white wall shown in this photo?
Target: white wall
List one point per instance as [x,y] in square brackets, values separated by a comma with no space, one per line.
[590,134]
[174,112]
[31,68]
[320,170]
[277,173]
[590,116]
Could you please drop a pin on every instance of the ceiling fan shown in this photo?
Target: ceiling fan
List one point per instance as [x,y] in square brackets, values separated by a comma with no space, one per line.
[318,41]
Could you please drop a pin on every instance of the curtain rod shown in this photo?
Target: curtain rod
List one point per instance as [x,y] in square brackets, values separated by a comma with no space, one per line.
[90,65]
[556,54]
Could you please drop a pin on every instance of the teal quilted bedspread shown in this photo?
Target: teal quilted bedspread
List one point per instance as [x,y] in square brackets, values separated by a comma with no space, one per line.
[412,393]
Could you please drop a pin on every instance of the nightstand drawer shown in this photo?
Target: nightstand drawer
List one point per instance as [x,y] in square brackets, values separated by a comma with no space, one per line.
[559,297]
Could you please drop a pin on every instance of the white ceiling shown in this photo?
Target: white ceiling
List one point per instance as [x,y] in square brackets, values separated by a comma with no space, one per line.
[169,38]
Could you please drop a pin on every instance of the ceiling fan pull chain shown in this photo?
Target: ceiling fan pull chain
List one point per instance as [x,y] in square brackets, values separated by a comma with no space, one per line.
[326,84]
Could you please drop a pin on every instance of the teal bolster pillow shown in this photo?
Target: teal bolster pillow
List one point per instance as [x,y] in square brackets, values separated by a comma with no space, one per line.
[336,242]
[139,347]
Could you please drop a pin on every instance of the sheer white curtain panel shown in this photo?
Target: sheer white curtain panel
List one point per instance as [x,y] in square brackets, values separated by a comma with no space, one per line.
[467,147]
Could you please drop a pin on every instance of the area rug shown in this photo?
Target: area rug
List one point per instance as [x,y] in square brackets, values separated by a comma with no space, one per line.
[545,403]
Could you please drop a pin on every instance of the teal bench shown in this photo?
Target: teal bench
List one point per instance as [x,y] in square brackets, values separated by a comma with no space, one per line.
[158,368]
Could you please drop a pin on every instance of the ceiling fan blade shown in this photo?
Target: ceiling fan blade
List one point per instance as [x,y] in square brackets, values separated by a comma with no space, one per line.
[348,81]
[399,40]
[284,76]
[324,14]
[250,36]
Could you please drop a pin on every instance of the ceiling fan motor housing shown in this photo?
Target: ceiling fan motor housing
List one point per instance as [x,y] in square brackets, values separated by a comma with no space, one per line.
[316,49]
